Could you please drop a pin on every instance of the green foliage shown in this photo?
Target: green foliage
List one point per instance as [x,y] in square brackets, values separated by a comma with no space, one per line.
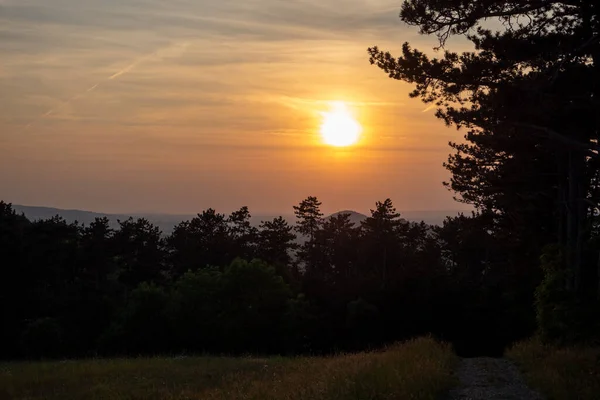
[562,317]
[194,310]
[256,302]
[553,302]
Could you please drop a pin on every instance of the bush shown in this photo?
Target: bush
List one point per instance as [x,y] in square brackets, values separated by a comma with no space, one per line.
[562,317]
[254,300]
[194,311]
[363,322]
[42,338]
[142,326]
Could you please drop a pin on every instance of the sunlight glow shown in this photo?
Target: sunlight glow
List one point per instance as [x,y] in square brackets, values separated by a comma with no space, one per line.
[339,127]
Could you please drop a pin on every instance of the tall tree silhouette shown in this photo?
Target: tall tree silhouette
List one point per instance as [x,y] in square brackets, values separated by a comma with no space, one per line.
[339,239]
[97,251]
[528,96]
[309,219]
[242,234]
[138,249]
[276,243]
[14,278]
[380,232]
[201,242]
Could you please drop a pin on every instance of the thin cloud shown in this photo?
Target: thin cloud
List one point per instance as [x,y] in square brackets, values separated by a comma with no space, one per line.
[298,102]
[158,54]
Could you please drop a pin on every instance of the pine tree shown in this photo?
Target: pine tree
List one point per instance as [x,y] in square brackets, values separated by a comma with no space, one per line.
[528,97]
[309,220]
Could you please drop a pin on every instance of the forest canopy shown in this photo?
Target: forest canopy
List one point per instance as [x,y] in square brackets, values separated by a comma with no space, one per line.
[218,284]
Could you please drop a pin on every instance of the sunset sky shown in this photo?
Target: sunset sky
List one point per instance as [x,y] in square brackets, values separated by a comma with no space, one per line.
[176,106]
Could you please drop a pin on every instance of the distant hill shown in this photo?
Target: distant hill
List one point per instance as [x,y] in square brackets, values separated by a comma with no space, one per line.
[166,222]
[429,217]
[355,217]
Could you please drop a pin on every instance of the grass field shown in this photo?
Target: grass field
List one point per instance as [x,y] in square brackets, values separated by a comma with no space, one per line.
[418,369]
[567,373]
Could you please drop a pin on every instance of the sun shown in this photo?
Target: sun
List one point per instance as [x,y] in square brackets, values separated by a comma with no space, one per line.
[339,127]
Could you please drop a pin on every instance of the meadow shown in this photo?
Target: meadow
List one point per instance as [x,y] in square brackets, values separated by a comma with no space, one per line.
[417,369]
[559,373]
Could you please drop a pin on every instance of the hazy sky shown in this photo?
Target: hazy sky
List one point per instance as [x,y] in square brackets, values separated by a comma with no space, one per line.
[180,105]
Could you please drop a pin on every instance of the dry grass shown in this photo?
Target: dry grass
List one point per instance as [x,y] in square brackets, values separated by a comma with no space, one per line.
[419,369]
[560,373]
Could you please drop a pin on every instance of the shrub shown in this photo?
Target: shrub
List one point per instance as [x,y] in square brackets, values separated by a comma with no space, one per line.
[42,338]
[142,326]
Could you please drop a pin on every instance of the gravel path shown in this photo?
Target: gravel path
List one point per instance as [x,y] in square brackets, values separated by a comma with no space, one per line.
[490,378]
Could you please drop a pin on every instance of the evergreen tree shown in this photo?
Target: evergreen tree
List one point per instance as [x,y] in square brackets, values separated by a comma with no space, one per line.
[380,233]
[200,243]
[276,242]
[309,220]
[528,96]
[309,217]
[242,234]
[138,251]
[339,239]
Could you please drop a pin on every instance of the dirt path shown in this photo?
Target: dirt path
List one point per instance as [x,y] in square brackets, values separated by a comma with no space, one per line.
[490,378]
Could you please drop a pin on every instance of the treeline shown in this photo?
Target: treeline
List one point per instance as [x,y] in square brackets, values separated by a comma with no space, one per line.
[217,284]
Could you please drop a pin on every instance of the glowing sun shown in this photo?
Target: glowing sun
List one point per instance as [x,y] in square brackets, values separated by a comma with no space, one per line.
[339,127]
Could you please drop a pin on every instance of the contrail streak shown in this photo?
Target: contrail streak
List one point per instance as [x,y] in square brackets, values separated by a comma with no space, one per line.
[430,107]
[110,78]
[123,71]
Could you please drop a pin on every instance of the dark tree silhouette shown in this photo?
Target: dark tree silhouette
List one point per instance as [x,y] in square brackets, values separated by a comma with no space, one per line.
[88,290]
[528,98]
[13,276]
[381,234]
[201,242]
[276,244]
[309,220]
[242,234]
[138,251]
[339,238]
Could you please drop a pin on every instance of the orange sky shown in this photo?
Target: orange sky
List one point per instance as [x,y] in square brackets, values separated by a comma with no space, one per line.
[177,106]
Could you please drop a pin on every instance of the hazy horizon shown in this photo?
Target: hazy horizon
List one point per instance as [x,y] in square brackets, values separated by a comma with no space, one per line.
[288,213]
[180,106]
